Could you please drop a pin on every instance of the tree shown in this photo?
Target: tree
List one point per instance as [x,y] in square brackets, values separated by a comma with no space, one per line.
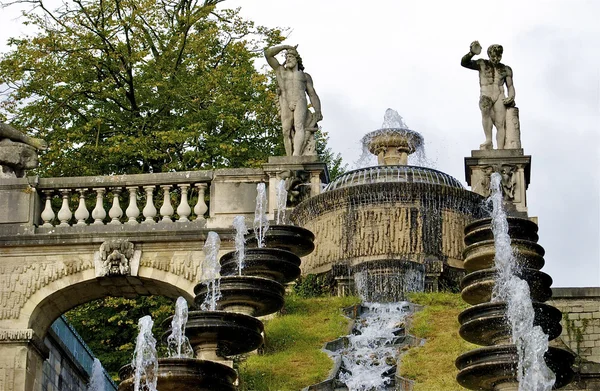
[109,326]
[130,86]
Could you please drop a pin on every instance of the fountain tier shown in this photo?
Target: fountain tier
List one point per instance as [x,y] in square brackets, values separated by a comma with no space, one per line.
[175,374]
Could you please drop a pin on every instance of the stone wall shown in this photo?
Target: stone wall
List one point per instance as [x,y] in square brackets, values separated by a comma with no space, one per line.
[581,332]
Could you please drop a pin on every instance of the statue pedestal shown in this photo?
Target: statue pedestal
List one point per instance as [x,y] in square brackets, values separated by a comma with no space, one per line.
[512,164]
[303,175]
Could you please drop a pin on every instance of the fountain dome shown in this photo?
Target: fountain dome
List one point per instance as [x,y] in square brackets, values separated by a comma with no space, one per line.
[390,221]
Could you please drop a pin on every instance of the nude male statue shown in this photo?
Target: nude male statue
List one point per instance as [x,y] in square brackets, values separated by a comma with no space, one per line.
[493,102]
[297,121]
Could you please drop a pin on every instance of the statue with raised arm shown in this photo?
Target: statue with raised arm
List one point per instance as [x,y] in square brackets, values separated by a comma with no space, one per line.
[18,152]
[497,109]
[298,122]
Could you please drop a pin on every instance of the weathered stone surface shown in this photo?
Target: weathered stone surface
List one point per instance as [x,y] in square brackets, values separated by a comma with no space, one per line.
[512,164]
[298,123]
[496,104]
[15,158]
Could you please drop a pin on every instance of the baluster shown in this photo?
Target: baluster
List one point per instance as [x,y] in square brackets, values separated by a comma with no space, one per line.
[99,214]
[115,211]
[132,210]
[201,208]
[149,210]
[65,214]
[166,210]
[48,214]
[81,214]
[184,210]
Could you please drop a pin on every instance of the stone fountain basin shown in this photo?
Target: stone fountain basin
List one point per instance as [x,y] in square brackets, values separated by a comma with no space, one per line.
[486,324]
[476,287]
[407,139]
[481,255]
[297,240]
[483,368]
[518,228]
[232,333]
[260,296]
[279,265]
[188,374]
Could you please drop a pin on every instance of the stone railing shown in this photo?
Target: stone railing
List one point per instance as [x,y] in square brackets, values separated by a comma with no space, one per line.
[173,203]
[123,199]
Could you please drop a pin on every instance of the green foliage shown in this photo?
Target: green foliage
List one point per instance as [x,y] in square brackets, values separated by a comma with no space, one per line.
[313,285]
[142,86]
[333,160]
[109,326]
[292,357]
[432,365]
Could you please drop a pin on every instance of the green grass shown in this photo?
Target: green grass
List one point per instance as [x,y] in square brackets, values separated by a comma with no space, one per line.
[432,365]
[292,357]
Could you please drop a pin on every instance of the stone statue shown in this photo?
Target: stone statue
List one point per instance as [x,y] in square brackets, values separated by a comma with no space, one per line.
[18,152]
[298,122]
[497,109]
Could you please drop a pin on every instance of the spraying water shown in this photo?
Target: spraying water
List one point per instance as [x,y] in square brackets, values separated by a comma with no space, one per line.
[145,360]
[211,270]
[177,343]
[533,373]
[370,358]
[97,381]
[281,201]
[239,223]
[261,221]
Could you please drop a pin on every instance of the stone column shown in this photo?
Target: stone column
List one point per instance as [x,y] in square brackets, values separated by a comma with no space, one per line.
[22,355]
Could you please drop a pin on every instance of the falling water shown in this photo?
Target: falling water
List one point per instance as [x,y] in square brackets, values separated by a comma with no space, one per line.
[389,284]
[281,201]
[369,360]
[533,373]
[261,221]
[177,343]
[239,223]
[97,380]
[145,361]
[211,270]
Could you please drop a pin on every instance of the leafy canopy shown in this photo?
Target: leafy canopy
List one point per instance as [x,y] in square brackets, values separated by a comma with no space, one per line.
[131,86]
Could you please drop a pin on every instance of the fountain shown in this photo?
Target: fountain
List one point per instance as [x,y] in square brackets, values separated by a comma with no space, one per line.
[503,262]
[393,142]
[97,381]
[245,284]
[398,226]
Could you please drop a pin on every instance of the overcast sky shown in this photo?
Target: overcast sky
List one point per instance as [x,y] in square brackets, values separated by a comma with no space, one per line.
[367,56]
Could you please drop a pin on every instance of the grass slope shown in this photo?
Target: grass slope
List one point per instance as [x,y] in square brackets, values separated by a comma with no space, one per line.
[292,357]
[432,365]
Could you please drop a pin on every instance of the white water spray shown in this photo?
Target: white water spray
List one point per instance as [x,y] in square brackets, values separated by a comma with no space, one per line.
[177,343]
[371,355]
[281,193]
[211,269]
[97,380]
[531,342]
[145,359]
[239,223]
[261,221]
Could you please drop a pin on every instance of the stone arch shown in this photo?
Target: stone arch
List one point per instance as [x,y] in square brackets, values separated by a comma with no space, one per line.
[56,298]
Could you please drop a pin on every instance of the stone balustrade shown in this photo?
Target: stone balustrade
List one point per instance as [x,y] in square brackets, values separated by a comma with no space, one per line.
[124,199]
[173,203]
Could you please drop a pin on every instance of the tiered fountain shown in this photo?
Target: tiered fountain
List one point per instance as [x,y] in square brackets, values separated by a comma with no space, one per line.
[250,285]
[392,224]
[508,316]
